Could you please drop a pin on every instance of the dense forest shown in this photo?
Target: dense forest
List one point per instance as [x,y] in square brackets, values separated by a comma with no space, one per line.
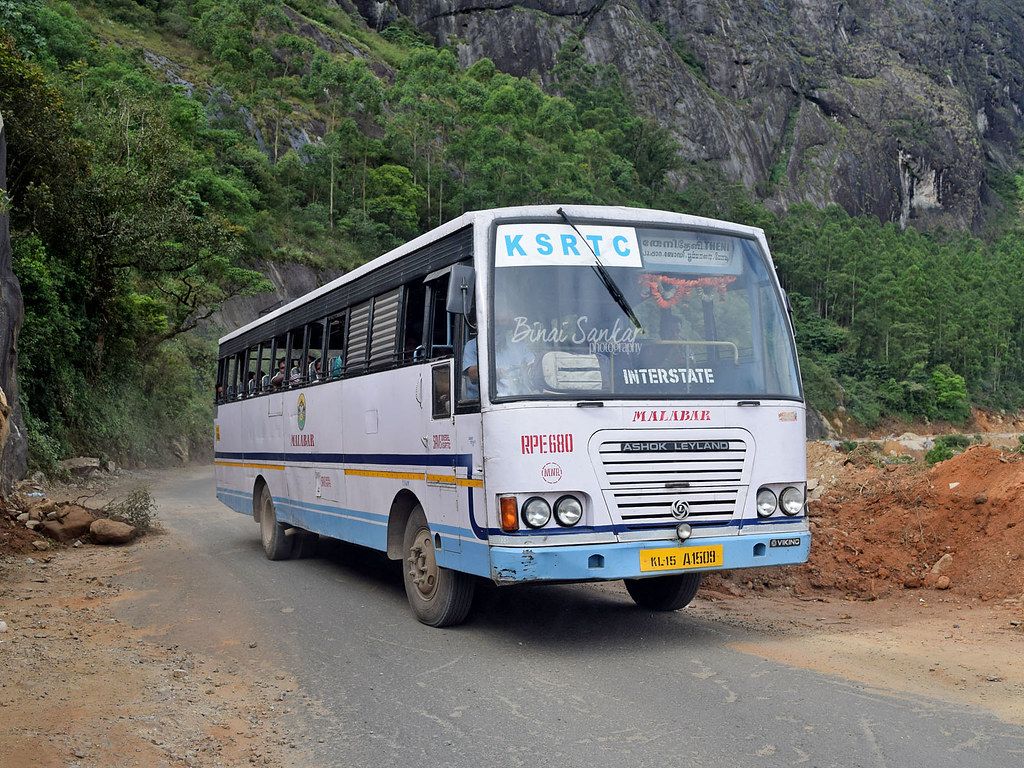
[162,151]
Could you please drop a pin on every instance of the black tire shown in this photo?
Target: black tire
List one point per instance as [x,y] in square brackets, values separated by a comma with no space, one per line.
[439,597]
[664,593]
[304,544]
[277,545]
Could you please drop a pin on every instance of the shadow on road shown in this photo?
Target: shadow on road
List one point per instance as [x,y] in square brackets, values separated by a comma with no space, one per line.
[547,617]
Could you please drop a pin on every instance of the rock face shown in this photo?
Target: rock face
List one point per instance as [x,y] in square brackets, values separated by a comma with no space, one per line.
[894,108]
[13,439]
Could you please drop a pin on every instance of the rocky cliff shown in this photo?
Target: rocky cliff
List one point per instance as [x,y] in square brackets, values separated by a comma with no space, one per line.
[898,108]
[13,441]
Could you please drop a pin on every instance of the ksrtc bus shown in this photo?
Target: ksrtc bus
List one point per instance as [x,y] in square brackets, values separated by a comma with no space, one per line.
[532,394]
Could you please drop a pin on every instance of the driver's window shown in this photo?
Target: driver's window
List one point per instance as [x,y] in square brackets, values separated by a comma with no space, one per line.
[469,363]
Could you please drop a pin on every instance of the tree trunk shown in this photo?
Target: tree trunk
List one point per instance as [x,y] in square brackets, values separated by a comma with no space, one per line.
[13,440]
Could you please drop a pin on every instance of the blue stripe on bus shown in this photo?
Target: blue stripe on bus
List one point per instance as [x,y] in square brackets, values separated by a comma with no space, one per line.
[453,460]
[397,459]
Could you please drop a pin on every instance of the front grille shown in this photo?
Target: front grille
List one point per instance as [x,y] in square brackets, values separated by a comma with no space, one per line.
[643,479]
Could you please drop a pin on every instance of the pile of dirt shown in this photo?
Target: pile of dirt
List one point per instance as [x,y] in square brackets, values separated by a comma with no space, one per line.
[958,526]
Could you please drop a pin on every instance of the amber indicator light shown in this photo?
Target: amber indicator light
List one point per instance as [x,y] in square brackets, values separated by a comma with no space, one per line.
[509,513]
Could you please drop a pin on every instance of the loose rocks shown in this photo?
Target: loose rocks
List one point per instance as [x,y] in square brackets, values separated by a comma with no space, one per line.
[105,531]
[72,522]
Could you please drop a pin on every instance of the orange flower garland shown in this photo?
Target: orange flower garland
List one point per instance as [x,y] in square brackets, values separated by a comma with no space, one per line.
[683,287]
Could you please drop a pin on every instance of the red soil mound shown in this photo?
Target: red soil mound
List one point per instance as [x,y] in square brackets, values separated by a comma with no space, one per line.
[881,529]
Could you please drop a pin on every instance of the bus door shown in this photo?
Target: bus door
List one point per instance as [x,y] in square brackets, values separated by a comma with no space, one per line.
[437,407]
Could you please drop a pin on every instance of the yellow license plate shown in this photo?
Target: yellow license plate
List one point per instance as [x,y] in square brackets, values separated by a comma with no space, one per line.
[680,558]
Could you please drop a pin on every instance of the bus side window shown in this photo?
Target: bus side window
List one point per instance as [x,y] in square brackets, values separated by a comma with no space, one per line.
[441,328]
[413,306]
[278,368]
[468,362]
[441,392]
[251,372]
[335,348]
[229,379]
[296,341]
[221,376]
[314,370]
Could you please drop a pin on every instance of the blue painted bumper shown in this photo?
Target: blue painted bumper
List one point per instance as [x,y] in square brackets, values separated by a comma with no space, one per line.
[597,562]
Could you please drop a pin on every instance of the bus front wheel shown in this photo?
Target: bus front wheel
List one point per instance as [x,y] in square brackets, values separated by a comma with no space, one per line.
[664,593]
[276,544]
[439,597]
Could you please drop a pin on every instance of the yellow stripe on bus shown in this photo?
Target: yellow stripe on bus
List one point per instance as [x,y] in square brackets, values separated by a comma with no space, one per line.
[388,475]
[247,465]
[449,479]
[453,480]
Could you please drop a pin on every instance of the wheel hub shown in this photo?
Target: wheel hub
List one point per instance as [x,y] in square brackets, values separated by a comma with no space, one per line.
[422,565]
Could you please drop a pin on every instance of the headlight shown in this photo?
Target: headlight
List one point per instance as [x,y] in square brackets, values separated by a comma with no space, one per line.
[766,503]
[568,511]
[536,512]
[792,500]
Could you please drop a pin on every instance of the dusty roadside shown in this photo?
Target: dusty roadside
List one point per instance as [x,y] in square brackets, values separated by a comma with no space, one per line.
[144,655]
[79,687]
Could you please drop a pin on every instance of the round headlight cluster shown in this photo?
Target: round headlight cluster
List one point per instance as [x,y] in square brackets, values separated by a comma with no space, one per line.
[766,502]
[792,501]
[536,512]
[568,511]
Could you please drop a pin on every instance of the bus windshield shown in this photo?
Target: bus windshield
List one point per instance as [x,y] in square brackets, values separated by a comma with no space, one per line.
[712,323]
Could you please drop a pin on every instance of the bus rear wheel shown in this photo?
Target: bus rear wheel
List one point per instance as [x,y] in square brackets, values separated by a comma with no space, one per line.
[277,545]
[664,593]
[439,597]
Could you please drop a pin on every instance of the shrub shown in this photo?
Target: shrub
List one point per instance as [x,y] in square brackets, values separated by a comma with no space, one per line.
[137,509]
[946,447]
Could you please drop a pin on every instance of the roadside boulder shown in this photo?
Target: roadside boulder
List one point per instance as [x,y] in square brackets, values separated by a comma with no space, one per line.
[943,564]
[104,531]
[80,465]
[72,522]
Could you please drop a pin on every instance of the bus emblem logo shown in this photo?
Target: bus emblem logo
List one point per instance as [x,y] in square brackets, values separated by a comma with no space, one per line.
[680,509]
[301,412]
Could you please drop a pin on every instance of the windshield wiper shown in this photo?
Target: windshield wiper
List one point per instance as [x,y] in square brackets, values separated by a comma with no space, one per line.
[606,278]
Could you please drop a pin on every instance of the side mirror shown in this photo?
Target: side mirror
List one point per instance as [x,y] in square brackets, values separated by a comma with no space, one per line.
[461,288]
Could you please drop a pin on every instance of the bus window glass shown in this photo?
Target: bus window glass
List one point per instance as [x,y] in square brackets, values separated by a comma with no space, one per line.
[335,347]
[441,391]
[412,326]
[441,343]
[296,340]
[280,368]
[358,338]
[229,378]
[314,349]
[265,367]
[469,378]
[251,374]
[712,321]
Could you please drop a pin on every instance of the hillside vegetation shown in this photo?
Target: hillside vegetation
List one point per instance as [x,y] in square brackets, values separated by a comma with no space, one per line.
[162,151]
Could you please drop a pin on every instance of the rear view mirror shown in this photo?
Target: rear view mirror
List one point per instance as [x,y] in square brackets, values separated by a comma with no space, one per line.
[461,287]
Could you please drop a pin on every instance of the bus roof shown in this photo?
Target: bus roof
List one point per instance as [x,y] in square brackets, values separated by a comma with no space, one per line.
[580,212]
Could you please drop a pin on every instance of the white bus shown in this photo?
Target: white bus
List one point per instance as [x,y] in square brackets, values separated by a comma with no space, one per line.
[533,394]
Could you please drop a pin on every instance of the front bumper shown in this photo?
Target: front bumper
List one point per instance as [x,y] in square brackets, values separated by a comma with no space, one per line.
[603,562]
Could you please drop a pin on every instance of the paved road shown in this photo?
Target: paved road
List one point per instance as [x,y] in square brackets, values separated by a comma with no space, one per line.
[549,676]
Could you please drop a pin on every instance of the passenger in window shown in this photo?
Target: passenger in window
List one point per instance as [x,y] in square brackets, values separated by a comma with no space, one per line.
[295,375]
[337,366]
[278,380]
[312,368]
[250,386]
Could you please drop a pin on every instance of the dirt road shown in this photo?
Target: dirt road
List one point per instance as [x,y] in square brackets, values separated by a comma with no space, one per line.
[190,649]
